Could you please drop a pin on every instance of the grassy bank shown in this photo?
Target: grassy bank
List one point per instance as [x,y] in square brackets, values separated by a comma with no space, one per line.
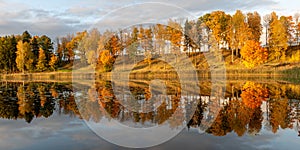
[48,76]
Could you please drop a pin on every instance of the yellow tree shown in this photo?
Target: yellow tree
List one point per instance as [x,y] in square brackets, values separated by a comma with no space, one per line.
[241,31]
[24,56]
[113,45]
[253,54]
[53,62]
[175,34]
[106,60]
[278,39]
[288,24]
[254,23]
[40,66]
[219,23]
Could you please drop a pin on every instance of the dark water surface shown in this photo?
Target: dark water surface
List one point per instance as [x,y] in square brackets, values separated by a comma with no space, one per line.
[250,115]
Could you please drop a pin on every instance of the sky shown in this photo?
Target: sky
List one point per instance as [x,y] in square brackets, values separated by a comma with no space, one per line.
[60,17]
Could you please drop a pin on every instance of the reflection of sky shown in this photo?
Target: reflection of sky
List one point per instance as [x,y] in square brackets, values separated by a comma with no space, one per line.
[62,132]
[55,132]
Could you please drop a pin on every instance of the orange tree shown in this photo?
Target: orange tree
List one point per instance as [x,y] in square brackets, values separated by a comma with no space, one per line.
[253,54]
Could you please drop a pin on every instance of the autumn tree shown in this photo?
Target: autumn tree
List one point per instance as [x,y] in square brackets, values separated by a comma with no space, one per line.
[278,40]
[93,57]
[175,33]
[218,22]
[53,62]
[241,31]
[69,45]
[254,23]
[105,60]
[253,54]
[41,65]
[24,56]
[113,45]
[67,54]
[288,24]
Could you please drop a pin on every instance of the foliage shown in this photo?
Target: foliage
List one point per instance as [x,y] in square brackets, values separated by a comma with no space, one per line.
[41,65]
[53,62]
[254,23]
[253,54]
[105,60]
[24,56]
[278,40]
[216,31]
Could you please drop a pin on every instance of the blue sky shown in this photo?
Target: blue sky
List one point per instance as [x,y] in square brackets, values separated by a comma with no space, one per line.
[60,17]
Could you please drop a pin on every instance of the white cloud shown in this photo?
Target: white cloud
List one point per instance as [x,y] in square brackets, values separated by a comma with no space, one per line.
[54,19]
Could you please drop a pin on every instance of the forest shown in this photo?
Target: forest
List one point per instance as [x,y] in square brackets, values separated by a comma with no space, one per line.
[236,39]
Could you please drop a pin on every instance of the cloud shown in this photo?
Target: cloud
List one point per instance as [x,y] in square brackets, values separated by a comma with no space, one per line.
[47,18]
[2,3]
[37,22]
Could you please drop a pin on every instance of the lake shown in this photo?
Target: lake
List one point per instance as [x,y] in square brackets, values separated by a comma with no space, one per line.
[238,114]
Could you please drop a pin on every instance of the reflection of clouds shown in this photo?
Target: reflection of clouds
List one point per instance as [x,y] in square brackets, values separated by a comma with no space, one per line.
[193,140]
[55,132]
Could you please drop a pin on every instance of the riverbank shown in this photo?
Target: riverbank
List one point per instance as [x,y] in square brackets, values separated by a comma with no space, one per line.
[76,75]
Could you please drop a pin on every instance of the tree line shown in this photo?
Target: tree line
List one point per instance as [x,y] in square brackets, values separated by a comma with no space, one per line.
[26,53]
[213,32]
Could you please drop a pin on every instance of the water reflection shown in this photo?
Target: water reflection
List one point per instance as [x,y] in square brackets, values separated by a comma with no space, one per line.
[247,108]
[33,100]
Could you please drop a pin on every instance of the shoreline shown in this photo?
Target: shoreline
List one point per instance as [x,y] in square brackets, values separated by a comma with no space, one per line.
[76,75]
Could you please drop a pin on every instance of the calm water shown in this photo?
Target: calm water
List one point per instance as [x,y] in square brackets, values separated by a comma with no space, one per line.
[246,115]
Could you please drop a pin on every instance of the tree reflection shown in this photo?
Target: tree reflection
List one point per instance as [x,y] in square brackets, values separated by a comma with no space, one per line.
[254,94]
[240,113]
[29,100]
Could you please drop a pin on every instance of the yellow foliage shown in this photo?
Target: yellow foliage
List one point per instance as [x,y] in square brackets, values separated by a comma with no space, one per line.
[253,54]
